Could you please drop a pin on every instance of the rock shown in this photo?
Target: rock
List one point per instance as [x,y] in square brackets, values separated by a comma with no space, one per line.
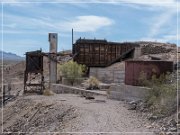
[145,110]
[89,97]
[141,107]
[178,126]
[135,102]
[132,107]
[173,129]
[179,115]
[169,133]
[172,122]
[153,117]
[163,129]
[149,126]
[104,86]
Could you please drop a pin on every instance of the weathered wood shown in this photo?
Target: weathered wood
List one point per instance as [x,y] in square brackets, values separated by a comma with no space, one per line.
[100,53]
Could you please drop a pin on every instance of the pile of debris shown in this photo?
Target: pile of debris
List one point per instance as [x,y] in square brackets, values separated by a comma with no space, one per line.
[164,124]
[26,115]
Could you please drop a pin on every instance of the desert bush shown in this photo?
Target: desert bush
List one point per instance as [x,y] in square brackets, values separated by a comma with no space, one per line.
[72,71]
[161,99]
[92,83]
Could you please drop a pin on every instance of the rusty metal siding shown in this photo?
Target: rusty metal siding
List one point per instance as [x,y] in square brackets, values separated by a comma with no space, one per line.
[134,68]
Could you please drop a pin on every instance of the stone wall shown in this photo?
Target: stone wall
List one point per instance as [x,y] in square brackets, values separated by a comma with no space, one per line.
[127,92]
[112,74]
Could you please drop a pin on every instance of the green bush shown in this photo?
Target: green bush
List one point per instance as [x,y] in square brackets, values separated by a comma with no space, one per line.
[72,71]
[93,83]
[162,98]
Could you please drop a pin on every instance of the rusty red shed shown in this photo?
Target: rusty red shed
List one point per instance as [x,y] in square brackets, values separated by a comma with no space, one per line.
[133,69]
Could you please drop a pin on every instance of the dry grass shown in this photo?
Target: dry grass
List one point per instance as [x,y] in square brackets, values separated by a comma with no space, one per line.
[93,83]
[48,92]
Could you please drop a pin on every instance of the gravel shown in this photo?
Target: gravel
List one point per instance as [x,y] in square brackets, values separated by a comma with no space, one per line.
[71,113]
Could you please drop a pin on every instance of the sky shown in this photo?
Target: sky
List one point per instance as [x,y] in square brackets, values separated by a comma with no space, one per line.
[25,24]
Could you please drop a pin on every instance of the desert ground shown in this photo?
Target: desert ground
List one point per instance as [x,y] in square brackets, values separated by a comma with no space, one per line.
[72,113]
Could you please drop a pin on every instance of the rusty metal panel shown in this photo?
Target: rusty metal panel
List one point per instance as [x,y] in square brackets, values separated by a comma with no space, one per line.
[133,69]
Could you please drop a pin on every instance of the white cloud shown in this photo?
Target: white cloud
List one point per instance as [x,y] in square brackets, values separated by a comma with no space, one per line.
[88,23]
[160,23]
[164,22]
[164,38]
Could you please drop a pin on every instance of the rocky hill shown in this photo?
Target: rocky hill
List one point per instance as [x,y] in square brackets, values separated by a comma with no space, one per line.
[156,47]
[10,56]
[158,51]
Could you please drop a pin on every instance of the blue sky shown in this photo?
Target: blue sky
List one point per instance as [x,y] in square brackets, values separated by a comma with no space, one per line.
[26,25]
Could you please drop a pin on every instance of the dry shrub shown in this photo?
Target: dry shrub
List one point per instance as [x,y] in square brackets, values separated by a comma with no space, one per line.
[48,92]
[92,83]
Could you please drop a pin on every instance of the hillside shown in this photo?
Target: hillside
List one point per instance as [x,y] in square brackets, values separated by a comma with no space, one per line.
[8,56]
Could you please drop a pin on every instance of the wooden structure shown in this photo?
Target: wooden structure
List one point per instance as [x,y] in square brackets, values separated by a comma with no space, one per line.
[33,76]
[100,53]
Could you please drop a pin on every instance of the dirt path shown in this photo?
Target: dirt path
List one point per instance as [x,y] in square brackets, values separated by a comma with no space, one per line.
[71,113]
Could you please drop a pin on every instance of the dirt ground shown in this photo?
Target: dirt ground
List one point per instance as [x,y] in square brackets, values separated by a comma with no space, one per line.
[72,114]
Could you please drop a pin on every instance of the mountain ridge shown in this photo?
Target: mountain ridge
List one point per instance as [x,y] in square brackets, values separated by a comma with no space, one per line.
[10,56]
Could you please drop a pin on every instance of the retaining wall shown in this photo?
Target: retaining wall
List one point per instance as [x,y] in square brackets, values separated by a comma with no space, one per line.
[127,92]
[60,88]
